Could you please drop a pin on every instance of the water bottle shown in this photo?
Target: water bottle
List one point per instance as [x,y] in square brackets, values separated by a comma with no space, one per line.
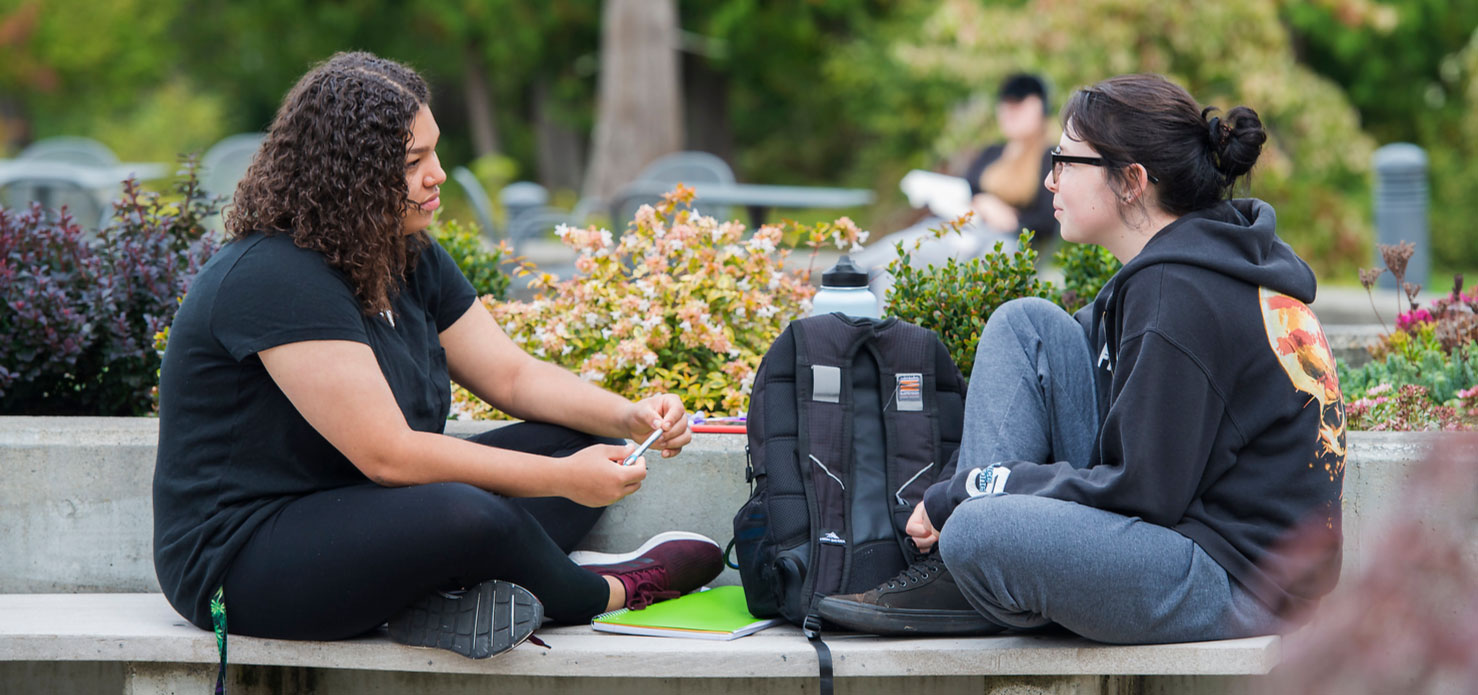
[844,289]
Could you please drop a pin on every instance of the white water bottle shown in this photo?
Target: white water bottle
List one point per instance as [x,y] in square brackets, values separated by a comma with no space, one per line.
[844,289]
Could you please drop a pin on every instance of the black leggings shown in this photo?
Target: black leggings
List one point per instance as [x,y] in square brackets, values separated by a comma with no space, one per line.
[339,563]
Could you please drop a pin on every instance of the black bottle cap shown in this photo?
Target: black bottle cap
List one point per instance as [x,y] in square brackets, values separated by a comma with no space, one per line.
[844,274]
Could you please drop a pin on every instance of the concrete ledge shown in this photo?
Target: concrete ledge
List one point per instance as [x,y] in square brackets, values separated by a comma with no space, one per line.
[142,628]
[77,512]
[1351,343]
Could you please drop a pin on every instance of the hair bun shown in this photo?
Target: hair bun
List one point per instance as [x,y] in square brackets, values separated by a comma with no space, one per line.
[1236,141]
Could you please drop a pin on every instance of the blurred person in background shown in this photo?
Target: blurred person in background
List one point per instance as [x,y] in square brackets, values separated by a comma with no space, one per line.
[1006,193]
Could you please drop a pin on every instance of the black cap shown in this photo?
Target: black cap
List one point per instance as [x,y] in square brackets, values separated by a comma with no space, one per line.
[844,274]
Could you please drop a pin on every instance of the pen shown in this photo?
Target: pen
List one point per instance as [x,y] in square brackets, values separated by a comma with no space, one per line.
[631,460]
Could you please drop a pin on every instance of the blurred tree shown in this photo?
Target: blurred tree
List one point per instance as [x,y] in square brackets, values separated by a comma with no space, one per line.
[70,66]
[521,79]
[639,111]
[787,117]
[252,53]
[791,91]
[1389,57]
[1408,66]
[506,74]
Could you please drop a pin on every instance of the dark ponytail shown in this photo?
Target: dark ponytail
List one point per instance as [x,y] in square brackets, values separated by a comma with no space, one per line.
[1148,120]
[1235,142]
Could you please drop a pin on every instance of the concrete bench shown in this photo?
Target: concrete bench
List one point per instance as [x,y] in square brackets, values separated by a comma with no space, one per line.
[160,653]
[80,612]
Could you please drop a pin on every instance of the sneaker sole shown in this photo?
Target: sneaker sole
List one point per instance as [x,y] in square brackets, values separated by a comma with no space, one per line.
[591,557]
[486,620]
[905,621]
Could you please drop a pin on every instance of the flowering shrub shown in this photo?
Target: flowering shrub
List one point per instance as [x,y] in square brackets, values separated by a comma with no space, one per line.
[680,303]
[1425,370]
[1411,408]
[77,335]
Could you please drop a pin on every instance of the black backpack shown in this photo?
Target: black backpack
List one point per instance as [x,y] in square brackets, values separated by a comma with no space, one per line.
[850,421]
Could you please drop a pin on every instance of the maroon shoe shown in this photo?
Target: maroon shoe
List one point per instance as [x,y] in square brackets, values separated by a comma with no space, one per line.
[667,566]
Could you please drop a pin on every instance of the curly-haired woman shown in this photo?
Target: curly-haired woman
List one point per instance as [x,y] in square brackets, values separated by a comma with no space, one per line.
[304,485]
[1168,466]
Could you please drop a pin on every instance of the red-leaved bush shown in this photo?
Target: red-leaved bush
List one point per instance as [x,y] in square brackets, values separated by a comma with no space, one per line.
[79,315]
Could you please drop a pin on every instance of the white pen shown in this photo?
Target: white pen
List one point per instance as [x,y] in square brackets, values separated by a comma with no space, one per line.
[631,460]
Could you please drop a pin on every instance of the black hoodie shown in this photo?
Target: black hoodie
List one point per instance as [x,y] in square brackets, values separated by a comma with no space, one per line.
[1221,415]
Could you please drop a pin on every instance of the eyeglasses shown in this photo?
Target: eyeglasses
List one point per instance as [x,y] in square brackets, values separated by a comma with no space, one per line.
[1059,159]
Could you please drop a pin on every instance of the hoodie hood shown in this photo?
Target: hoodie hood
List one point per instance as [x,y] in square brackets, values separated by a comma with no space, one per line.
[1236,238]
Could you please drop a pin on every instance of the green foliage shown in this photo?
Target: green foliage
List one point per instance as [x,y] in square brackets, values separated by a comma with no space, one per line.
[956,300]
[1443,375]
[773,53]
[478,262]
[65,60]
[1388,56]
[166,121]
[849,92]
[1411,68]
[1086,268]
[906,79]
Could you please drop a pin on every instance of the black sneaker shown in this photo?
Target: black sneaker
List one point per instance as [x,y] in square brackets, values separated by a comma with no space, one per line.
[485,620]
[921,600]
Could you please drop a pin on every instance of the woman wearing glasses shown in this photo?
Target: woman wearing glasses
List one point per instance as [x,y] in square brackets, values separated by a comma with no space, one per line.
[1168,466]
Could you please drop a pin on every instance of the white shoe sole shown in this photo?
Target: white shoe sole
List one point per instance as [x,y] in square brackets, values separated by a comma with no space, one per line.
[591,557]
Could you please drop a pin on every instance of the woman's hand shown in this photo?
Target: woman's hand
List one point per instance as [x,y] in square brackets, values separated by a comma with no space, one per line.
[597,478]
[995,213]
[661,412]
[921,530]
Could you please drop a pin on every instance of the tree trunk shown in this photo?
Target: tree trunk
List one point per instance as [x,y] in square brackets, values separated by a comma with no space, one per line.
[706,104]
[15,130]
[479,102]
[559,147]
[639,101]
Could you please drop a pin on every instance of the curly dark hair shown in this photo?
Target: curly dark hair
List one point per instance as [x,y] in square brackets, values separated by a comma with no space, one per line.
[331,172]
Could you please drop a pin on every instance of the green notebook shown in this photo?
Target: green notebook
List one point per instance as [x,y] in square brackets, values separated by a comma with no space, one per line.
[719,613]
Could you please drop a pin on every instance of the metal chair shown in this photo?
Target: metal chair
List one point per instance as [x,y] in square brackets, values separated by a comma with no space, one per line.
[519,196]
[223,165]
[482,205]
[54,193]
[70,149]
[689,167]
[535,222]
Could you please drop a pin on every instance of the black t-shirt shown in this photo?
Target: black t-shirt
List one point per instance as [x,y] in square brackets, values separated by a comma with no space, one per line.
[232,449]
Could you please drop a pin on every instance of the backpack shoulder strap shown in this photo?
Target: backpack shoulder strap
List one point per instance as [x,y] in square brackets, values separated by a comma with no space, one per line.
[825,347]
[912,415]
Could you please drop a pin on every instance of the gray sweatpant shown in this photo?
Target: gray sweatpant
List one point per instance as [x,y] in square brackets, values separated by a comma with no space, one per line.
[1027,562]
